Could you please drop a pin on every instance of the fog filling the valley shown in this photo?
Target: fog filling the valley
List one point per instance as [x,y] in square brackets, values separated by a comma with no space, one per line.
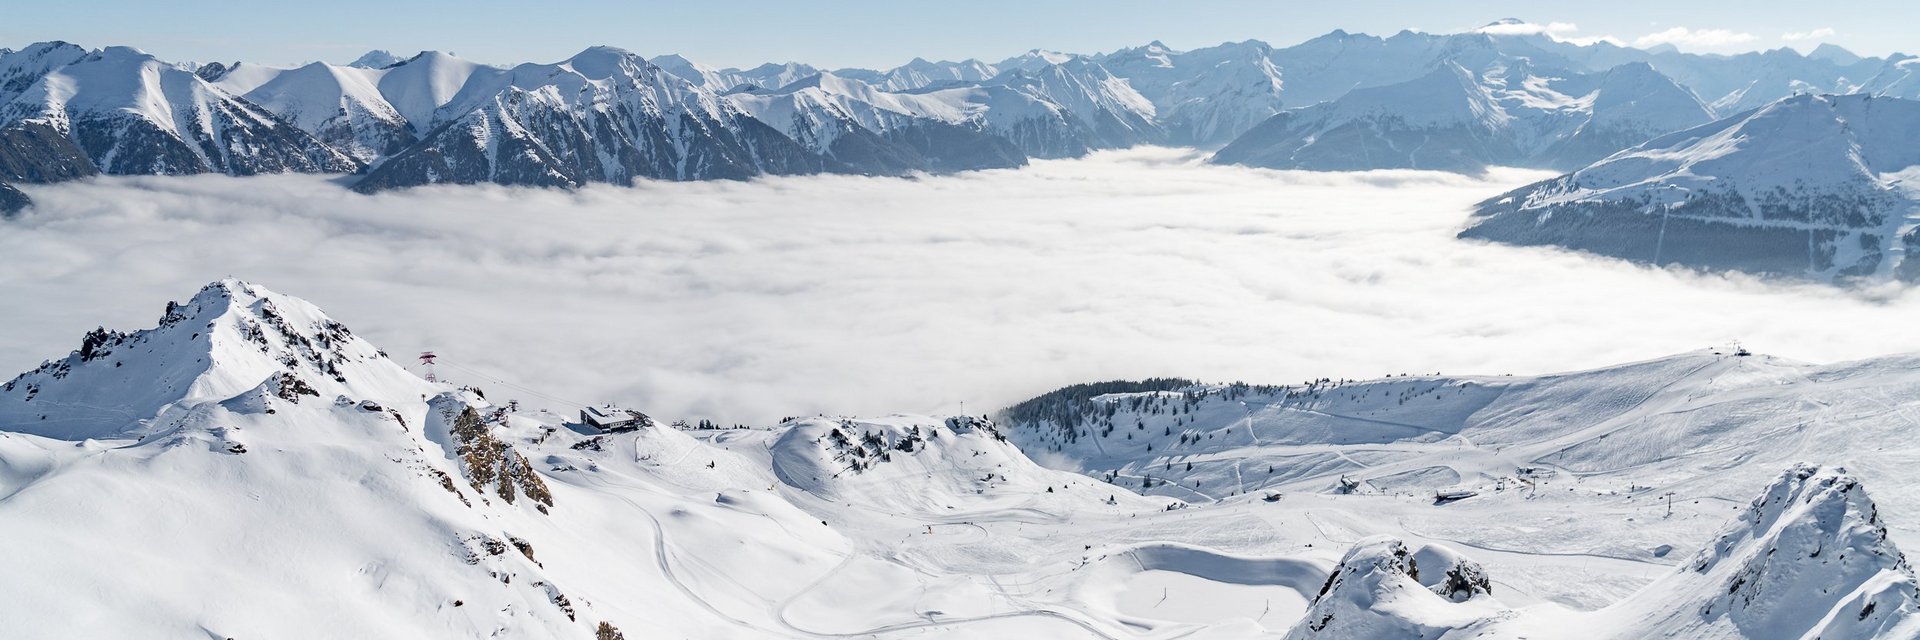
[745,302]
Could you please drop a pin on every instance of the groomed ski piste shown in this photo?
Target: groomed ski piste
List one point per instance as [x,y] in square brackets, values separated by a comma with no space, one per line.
[252,468]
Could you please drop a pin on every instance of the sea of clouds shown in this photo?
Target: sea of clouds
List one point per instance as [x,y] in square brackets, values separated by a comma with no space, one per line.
[748,301]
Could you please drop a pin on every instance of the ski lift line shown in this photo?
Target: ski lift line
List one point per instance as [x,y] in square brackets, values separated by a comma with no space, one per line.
[537,394]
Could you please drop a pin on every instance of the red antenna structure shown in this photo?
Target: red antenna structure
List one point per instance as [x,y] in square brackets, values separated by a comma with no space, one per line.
[426,358]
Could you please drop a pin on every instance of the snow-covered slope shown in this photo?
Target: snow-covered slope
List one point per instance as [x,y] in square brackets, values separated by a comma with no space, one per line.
[250,467]
[905,464]
[1707,425]
[1809,558]
[1460,119]
[1810,186]
[699,74]
[342,106]
[1608,466]
[257,502]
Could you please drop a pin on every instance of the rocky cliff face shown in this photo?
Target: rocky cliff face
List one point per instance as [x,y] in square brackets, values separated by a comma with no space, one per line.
[11,200]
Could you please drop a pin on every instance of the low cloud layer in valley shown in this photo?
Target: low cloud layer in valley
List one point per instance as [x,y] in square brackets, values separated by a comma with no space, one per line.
[750,301]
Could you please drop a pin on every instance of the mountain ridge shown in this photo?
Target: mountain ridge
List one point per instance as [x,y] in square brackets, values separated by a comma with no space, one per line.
[423,119]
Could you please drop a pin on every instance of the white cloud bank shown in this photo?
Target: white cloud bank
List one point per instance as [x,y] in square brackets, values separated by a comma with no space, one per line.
[1816,34]
[1529,28]
[750,301]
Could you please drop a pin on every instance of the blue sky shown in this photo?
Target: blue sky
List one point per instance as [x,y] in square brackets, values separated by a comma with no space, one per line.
[881,33]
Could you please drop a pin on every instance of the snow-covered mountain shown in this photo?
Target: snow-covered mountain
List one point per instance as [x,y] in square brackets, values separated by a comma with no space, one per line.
[252,467]
[1900,78]
[1106,105]
[1349,100]
[342,106]
[67,112]
[1460,119]
[771,75]
[227,341]
[1726,83]
[1732,84]
[604,115]
[921,73]
[865,129]
[1809,186]
[1204,97]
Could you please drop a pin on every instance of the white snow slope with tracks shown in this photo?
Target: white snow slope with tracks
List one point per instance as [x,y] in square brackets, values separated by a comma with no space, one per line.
[251,468]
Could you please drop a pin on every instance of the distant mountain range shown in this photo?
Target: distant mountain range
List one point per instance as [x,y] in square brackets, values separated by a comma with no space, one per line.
[1771,162]
[1456,102]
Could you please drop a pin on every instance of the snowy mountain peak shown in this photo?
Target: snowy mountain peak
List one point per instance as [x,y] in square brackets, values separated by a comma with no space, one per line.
[1808,558]
[604,62]
[375,59]
[228,339]
[1834,53]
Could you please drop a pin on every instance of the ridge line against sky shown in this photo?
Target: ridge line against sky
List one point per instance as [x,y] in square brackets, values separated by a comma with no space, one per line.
[884,34]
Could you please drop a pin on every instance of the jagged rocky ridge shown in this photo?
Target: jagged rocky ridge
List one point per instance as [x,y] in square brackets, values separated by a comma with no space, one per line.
[1810,186]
